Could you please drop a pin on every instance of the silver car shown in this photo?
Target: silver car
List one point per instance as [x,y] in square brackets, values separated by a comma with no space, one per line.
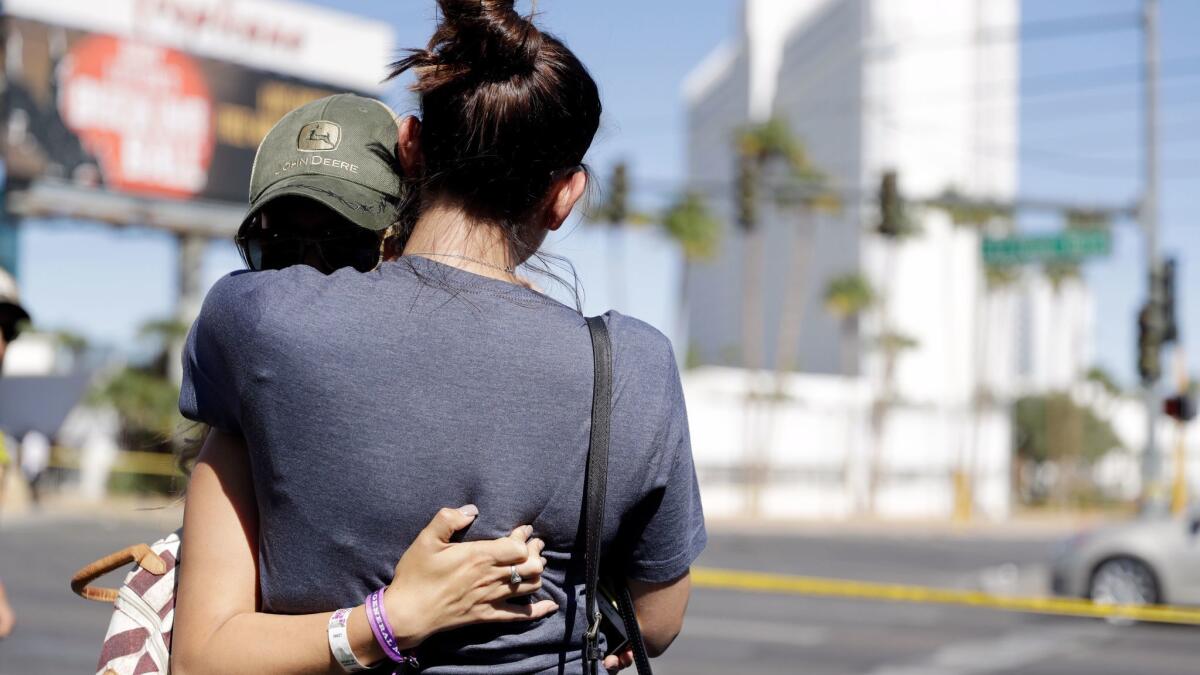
[1146,561]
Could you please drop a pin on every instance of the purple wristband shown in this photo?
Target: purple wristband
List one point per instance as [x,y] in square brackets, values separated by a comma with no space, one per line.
[383,631]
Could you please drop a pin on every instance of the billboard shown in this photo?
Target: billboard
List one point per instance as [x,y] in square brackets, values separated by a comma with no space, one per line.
[168,99]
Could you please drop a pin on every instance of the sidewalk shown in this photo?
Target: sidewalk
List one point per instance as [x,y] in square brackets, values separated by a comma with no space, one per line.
[160,512]
[1024,526]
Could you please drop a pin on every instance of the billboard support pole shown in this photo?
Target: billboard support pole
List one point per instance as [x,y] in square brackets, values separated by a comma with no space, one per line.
[9,251]
[190,292]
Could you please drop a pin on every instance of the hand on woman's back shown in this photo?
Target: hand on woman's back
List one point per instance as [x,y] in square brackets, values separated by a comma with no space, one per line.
[440,585]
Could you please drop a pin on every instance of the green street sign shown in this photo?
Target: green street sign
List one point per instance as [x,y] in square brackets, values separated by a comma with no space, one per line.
[1068,247]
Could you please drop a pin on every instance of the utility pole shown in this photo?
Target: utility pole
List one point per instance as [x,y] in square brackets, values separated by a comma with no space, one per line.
[1152,489]
[189,295]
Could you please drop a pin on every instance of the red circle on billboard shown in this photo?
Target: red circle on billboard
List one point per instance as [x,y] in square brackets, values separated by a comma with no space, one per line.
[143,111]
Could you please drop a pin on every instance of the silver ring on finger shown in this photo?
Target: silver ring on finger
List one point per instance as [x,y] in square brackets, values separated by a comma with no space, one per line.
[514,577]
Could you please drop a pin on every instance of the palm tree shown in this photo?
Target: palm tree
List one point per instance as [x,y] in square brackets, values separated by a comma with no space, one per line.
[74,344]
[750,166]
[808,194]
[894,226]
[763,147]
[846,298]
[690,223]
[758,147]
[803,188]
[981,216]
[615,212]
[167,335]
[145,398]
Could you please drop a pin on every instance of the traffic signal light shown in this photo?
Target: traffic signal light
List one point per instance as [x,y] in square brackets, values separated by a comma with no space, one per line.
[618,197]
[891,208]
[1180,407]
[1149,343]
[747,191]
[1166,278]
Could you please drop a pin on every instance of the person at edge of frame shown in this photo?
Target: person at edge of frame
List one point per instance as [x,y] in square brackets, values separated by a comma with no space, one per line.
[13,317]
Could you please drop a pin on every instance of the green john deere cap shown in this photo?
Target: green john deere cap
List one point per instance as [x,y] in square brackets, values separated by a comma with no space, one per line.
[338,151]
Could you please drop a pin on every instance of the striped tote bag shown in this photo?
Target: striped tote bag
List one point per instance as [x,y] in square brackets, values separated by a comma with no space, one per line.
[138,641]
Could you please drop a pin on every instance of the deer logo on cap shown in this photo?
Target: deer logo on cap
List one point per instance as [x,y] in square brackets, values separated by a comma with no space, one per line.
[319,136]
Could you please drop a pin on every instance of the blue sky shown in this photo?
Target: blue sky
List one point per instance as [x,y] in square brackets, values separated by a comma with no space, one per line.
[1085,145]
[1076,144]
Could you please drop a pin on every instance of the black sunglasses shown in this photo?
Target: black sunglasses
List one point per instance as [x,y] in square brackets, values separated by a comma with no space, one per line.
[277,250]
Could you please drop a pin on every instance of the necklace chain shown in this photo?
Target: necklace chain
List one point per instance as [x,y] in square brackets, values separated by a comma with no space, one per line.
[507,270]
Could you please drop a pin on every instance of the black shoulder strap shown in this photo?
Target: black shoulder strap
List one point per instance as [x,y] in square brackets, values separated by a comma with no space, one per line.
[596,486]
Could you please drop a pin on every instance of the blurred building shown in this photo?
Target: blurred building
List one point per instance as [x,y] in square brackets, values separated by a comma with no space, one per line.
[34,355]
[926,89]
[1056,324]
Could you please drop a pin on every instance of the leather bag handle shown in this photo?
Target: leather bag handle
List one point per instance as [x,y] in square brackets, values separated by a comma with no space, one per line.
[141,554]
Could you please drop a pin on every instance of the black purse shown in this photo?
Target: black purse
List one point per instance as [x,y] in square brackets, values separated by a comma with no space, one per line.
[616,609]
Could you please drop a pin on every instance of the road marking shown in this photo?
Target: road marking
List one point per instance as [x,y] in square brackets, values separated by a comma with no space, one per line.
[761,582]
[762,632]
[1011,652]
[1027,580]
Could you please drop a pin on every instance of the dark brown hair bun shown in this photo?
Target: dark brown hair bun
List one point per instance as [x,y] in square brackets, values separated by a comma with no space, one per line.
[504,108]
[483,38]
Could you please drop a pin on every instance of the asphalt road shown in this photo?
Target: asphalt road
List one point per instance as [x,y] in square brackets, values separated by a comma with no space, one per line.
[726,632]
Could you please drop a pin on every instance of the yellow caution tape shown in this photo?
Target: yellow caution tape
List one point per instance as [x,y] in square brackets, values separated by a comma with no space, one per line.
[759,582]
[150,463]
[128,461]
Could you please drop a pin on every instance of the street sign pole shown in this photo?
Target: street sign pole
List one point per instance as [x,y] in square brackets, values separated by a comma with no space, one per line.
[1152,489]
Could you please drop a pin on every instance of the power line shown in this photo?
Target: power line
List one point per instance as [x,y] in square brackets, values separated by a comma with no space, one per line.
[1029,31]
[724,190]
[1048,85]
[1180,130]
[1054,159]
[1100,108]
[1039,86]
[1075,26]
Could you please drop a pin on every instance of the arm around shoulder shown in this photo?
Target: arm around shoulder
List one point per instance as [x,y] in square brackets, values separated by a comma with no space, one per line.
[438,585]
[218,628]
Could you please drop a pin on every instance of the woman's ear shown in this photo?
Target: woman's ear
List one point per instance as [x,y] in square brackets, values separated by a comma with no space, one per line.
[567,194]
[408,148]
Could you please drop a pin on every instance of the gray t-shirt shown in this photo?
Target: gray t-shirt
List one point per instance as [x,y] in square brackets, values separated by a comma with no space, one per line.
[369,401]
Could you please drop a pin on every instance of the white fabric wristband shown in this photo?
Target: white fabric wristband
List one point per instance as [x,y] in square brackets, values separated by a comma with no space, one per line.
[339,643]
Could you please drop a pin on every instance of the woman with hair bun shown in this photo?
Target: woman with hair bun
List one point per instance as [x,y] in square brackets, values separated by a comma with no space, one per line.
[368,400]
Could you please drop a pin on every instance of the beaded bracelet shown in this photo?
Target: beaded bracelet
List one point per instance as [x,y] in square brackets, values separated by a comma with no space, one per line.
[383,631]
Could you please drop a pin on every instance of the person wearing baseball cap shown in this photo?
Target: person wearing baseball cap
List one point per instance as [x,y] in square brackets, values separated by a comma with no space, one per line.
[325,188]
[13,316]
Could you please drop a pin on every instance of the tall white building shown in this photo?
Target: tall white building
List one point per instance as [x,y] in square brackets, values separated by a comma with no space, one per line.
[928,88]
[919,86]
